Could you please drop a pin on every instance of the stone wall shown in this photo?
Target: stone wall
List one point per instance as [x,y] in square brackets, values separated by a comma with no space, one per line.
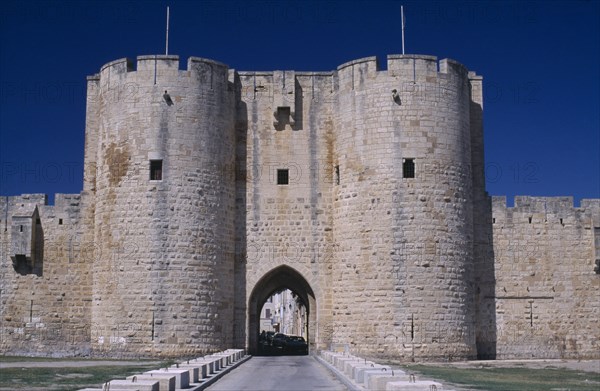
[45,309]
[362,190]
[405,256]
[164,207]
[286,120]
[546,288]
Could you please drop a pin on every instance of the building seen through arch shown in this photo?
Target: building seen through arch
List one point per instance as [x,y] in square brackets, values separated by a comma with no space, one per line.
[284,312]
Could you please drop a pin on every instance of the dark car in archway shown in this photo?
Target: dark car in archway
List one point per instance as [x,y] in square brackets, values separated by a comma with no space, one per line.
[296,345]
[279,340]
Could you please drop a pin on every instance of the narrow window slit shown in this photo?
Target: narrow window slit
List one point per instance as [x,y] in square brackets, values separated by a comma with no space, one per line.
[283,176]
[156,170]
[408,168]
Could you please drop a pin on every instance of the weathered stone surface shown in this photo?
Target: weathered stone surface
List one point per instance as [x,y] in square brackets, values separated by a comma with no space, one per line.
[546,294]
[384,228]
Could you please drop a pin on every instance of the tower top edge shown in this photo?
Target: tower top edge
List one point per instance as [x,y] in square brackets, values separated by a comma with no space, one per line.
[393,61]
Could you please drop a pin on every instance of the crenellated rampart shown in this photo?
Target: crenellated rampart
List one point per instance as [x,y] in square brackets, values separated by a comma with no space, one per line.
[45,274]
[545,251]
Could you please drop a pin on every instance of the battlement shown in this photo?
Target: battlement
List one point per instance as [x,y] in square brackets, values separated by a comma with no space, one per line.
[399,64]
[24,199]
[370,62]
[412,68]
[411,74]
[13,205]
[541,204]
[538,209]
[155,65]
[418,67]
[118,66]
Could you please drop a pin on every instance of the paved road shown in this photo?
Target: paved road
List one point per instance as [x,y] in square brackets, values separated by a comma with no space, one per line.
[279,373]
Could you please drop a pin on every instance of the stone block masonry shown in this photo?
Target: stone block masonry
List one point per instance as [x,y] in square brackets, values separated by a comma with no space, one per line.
[362,190]
[45,310]
[546,292]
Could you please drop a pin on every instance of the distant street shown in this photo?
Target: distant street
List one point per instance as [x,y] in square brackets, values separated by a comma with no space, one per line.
[279,373]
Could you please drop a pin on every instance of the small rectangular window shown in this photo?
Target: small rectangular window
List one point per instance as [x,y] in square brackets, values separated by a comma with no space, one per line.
[337,175]
[283,177]
[408,168]
[60,222]
[156,170]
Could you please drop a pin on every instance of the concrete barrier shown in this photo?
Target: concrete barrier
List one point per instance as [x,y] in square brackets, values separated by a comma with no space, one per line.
[422,385]
[215,361]
[339,362]
[359,374]
[222,360]
[192,375]
[362,375]
[166,381]
[100,389]
[139,385]
[357,371]
[195,369]
[238,353]
[208,367]
[182,376]
[350,365]
[379,381]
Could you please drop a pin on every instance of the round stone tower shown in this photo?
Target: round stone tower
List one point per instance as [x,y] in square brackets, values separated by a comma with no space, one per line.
[159,162]
[403,209]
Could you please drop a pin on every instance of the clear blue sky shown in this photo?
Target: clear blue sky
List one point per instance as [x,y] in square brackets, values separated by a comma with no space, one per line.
[540,62]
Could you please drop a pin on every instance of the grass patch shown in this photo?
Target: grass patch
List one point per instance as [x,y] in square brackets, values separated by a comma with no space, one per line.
[66,379]
[512,379]
[33,359]
[83,359]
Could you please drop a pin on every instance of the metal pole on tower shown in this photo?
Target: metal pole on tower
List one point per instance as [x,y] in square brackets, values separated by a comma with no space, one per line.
[402,15]
[167,40]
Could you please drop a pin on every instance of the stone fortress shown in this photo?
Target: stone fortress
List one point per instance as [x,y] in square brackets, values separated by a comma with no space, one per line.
[362,190]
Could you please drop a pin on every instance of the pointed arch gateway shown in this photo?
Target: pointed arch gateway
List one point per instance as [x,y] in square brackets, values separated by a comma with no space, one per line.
[280,278]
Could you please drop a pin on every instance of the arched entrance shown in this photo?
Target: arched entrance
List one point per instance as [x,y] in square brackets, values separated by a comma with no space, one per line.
[280,278]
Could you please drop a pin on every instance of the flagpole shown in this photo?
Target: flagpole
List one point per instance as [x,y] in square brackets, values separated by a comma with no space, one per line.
[167,40]
[402,15]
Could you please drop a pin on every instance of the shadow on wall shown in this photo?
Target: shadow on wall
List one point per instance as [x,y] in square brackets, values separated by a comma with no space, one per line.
[483,249]
[27,244]
[241,247]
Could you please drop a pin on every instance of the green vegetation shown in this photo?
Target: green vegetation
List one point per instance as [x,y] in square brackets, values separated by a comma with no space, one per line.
[11,359]
[512,379]
[67,378]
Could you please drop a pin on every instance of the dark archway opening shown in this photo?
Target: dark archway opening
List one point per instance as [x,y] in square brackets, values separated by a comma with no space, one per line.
[277,281]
